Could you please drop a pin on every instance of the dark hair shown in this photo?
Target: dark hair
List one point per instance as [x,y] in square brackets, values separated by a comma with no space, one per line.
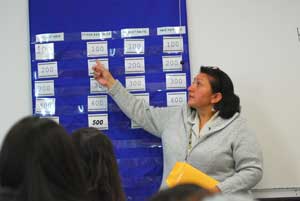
[100,165]
[182,192]
[40,163]
[221,82]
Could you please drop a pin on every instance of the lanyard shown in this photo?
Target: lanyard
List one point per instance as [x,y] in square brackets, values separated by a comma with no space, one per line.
[189,145]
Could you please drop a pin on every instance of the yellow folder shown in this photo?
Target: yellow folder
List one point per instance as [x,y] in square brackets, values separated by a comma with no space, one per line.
[183,173]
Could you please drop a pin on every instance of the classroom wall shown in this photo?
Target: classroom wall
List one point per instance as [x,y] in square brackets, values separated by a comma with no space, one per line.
[256,43]
[15,82]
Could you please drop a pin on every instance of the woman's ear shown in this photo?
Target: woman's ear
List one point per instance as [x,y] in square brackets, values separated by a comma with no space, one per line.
[216,97]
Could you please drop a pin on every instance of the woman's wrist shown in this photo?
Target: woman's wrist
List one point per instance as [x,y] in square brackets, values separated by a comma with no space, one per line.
[111,83]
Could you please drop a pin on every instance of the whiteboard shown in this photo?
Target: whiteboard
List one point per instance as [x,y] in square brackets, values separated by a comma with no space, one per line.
[256,43]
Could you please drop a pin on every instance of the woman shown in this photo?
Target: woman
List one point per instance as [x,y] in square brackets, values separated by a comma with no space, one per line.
[209,132]
[38,162]
[100,165]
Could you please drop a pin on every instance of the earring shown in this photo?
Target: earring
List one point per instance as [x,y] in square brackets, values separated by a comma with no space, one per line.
[213,109]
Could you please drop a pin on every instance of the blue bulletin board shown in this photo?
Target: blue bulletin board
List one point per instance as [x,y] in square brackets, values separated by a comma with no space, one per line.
[144,43]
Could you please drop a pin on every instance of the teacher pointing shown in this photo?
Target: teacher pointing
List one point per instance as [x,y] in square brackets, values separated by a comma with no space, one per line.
[209,132]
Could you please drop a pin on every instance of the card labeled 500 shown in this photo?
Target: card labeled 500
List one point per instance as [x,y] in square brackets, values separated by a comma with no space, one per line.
[45,106]
[99,121]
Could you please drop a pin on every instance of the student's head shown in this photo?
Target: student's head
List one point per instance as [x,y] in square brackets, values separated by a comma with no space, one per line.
[39,161]
[229,197]
[213,89]
[100,166]
[183,192]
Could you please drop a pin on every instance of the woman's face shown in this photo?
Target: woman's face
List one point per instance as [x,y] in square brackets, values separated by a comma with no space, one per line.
[200,92]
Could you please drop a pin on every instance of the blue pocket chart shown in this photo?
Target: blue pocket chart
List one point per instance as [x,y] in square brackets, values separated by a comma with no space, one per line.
[144,43]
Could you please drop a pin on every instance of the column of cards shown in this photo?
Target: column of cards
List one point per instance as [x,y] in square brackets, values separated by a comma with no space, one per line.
[172,63]
[97,100]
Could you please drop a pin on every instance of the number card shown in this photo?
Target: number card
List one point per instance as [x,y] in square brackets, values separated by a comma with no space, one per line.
[134,46]
[172,44]
[97,49]
[172,63]
[44,88]
[142,96]
[134,65]
[92,62]
[47,70]
[176,99]
[99,121]
[95,87]
[45,106]
[53,118]
[97,103]
[44,51]
[135,83]
[176,81]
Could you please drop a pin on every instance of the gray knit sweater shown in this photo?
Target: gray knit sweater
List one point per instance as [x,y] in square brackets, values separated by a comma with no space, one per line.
[226,149]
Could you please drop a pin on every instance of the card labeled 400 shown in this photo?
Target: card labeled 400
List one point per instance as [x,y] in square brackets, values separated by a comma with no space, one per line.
[176,98]
[97,103]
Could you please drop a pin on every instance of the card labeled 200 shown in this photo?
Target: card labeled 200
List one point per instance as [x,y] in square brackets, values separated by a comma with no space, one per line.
[135,83]
[176,81]
[47,70]
[99,121]
[92,62]
[134,65]
[172,63]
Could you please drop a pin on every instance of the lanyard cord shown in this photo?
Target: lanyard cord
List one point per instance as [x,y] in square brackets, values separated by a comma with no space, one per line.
[189,145]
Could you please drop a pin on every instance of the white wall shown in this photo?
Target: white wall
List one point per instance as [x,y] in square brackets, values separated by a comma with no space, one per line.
[255,42]
[15,101]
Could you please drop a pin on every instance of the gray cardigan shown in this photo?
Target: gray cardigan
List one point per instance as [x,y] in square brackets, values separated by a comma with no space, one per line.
[226,149]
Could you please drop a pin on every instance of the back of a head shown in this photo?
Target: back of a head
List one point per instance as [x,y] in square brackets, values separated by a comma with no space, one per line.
[230,197]
[100,165]
[183,192]
[38,160]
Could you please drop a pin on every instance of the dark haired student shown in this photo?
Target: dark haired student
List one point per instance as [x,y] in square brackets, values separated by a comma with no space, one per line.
[209,132]
[100,165]
[39,162]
